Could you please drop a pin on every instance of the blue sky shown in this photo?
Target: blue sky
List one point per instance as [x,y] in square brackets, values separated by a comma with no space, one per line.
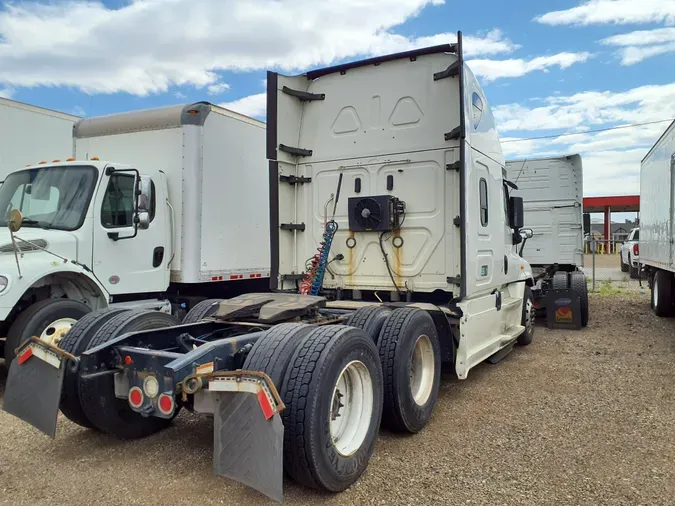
[549,67]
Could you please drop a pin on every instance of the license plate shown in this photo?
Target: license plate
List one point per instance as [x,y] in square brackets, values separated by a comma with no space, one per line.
[33,388]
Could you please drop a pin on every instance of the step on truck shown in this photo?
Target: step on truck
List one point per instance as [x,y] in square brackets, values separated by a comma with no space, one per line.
[552,193]
[657,222]
[393,245]
[159,208]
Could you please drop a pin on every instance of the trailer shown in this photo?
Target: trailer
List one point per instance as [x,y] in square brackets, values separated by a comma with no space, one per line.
[393,251]
[657,219]
[198,229]
[552,191]
[29,133]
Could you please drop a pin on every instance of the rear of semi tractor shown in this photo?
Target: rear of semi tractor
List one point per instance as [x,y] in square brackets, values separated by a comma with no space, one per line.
[394,243]
[552,191]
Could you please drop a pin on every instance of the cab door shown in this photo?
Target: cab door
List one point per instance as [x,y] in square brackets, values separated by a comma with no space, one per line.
[130,255]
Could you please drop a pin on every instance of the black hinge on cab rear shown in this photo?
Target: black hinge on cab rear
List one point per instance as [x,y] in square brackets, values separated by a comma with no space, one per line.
[451,71]
[303,96]
[295,151]
[292,180]
[292,226]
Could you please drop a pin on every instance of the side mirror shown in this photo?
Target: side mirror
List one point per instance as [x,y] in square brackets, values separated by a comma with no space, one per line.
[587,223]
[144,202]
[143,220]
[516,213]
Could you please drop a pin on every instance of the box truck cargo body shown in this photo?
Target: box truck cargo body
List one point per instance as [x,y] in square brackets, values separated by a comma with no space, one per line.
[29,134]
[657,221]
[159,207]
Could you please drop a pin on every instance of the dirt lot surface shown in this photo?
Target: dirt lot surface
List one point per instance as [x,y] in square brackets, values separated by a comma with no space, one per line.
[576,418]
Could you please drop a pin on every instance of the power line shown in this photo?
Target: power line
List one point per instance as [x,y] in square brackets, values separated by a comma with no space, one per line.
[587,131]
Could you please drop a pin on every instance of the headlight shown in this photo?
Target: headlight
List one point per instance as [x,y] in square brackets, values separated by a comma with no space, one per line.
[3,283]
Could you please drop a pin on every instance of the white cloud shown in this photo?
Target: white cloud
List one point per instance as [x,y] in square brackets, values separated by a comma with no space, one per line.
[79,111]
[147,46]
[495,69]
[179,95]
[590,108]
[218,88]
[6,93]
[611,158]
[642,44]
[613,11]
[492,43]
[641,37]
[253,105]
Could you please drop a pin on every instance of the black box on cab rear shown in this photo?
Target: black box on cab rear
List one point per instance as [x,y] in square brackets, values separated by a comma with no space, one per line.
[563,309]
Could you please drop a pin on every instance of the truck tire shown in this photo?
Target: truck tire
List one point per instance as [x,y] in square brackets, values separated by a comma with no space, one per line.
[76,341]
[333,396]
[560,281]
[272,353]
[624,267]
[97,396]
[201,310]
[410,355]
[579,285]
[45,319]
[634,271]
[662,294]
[527,318]
[370,319]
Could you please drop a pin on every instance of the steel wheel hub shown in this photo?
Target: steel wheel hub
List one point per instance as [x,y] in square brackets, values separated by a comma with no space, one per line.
[351,408]
[422,370]
[56,331]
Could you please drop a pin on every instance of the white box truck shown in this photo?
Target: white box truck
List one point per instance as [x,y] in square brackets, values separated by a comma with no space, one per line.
[552,191]
[29,134]
[198,229]
[392,169]
[657,221]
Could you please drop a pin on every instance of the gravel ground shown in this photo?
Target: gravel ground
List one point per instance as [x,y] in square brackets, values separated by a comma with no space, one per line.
[581,417]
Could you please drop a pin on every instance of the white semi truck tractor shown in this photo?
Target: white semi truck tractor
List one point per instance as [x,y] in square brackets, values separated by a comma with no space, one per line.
[393,251]
[159,208]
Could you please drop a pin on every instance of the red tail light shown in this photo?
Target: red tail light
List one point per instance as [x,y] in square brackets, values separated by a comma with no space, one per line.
[135,397]
[636,249]
[165,404]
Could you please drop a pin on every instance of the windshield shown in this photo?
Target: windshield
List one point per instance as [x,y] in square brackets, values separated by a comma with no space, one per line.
[49,197]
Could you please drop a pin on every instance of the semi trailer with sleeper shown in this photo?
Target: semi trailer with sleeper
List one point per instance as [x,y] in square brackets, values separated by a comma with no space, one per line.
[393,251]
[86,242]
[552,191]
[657,222]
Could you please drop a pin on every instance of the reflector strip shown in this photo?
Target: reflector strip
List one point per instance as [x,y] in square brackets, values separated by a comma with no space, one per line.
[265,405]
[25,355]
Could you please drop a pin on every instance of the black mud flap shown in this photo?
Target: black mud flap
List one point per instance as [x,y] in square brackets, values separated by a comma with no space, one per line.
[248,446]
[33,389]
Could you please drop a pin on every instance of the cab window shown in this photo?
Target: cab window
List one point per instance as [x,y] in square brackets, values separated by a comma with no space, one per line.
[118,202]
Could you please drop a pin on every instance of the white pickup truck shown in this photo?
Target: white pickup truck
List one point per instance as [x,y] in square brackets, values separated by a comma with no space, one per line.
[629,254]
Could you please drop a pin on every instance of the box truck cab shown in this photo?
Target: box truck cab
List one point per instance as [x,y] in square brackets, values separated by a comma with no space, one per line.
[153,227]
